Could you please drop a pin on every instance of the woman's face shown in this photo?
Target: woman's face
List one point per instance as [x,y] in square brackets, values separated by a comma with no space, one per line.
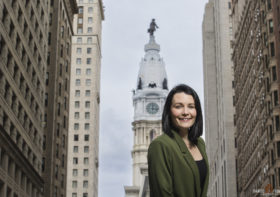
[183,112]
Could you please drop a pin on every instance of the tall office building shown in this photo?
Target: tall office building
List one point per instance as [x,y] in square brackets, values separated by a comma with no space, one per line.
[57,96]
[83,140]
[256,58]
[218,98]
[23,45]
[148,101]
[24,67]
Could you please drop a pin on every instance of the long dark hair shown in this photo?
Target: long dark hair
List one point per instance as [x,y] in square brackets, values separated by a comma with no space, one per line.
[197,129]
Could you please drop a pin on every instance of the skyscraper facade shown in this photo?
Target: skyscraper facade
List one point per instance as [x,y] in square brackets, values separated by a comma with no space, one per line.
[218,98]
[256,81]
[83,139]
[27,103]
[148,101]
[56,103]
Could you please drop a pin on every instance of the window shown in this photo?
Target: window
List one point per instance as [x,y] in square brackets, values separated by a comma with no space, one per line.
[274,74]
[275,98]
[78,61]
[75,172]
[80,20]
[77,104]
[277,123]
[79,50]
[90,1]
[87,92]
[272,50]
[87,115]
[89,40]
[85,194]
[76,138]
[86,126]
[87,104]
[76,126]
[86,160]
[85,184]
[88,82]
[88,60]
[278,148]
[85,173]
[88,50]
[77,115]
[270,23]
[81,10]
[86,137]
[80,30]
[77,93]
[86,149]
[74,184]
[81,1]
[75,149]
[78,82]
[90,10]
[78,71]
[89,29]
[74,194]
[90,20]
[79,40]
[88,71]
[75,160]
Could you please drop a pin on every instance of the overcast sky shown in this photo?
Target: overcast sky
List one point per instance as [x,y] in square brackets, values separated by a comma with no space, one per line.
[123,39]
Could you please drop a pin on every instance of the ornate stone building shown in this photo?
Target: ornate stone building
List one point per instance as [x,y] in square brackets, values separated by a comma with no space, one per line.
[29,95]
[218,98]
[148,101]
[83,130]
[256,81]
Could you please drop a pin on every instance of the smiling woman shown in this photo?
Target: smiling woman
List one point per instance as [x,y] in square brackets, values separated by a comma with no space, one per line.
[177,160]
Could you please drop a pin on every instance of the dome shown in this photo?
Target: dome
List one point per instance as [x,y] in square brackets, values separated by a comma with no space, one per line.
[152,72]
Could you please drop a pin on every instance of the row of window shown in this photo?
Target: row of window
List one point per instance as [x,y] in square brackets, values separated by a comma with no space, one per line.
[77,126]
[79,71]
[80,40]
[78,82]
[75,172]
[77,115]
[80,30]
[77,104]
[78,93]
[79,50]
[75,184]
[76,137]
[89,20]
[81,10]
[76,149]
[79,61]
[75,195]
[76,160]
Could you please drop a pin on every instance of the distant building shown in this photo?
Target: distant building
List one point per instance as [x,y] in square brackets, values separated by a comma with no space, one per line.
[256,58]
[83,130]
[218,98]
[148,101]
[56,102]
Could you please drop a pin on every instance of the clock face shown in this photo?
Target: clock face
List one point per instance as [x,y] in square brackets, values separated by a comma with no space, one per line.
[152,108]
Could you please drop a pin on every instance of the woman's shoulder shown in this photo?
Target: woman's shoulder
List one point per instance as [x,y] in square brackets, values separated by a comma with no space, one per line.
[163,141]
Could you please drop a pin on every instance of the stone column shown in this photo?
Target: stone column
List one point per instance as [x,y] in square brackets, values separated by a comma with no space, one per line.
[7,126]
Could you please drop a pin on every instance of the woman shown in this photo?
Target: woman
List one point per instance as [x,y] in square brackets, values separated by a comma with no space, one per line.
[177,160]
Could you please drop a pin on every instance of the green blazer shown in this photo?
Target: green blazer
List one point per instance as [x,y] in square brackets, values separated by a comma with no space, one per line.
[172,169]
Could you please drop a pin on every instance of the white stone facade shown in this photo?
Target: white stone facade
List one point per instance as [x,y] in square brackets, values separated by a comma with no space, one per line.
[218,91]
[83,141]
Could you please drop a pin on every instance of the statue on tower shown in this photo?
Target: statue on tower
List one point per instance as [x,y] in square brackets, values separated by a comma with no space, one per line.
[153,27]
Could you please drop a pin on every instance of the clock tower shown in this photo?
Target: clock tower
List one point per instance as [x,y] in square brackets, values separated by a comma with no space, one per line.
[148,101]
